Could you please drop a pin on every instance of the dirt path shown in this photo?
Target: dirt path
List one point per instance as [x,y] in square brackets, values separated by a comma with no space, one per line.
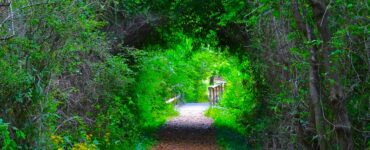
[191,130]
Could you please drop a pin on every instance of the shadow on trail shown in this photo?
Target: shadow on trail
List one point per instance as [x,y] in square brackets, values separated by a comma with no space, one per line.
[187,137]
[190,130]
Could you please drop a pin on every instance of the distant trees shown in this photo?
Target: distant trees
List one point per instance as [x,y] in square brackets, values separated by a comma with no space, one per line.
[328,102]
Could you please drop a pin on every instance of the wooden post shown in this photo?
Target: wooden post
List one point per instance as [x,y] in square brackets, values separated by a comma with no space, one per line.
[218,92]
[210,95]
[222,87]
[213,95]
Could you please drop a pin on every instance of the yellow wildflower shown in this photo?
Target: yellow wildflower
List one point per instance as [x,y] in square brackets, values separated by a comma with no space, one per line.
[88,137]
[84,146]
[79,146]
[56,139]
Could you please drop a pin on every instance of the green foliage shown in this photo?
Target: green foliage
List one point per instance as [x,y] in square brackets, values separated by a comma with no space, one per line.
[232,12]
[117,116]
[6,141]
[42,76]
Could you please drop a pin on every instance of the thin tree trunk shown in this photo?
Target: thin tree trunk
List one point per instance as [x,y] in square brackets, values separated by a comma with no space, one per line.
[314,76]
[337,98]
[315,97]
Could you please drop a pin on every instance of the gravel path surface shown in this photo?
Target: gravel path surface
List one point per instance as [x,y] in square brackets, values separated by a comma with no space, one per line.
[191,130]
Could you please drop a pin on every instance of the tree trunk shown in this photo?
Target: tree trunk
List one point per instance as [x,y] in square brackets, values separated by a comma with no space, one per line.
[314,76]
[337,98]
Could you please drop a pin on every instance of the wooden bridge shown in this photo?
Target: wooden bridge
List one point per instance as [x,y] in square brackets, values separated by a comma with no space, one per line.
[215,92]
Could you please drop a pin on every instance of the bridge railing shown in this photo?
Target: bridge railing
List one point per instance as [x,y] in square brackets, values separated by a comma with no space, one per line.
[215,92]
[174,100]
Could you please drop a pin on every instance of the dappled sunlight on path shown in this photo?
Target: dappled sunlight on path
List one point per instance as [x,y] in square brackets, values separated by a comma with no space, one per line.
[190,130]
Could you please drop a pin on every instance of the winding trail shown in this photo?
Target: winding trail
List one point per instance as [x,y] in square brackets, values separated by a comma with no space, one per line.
[191,130]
